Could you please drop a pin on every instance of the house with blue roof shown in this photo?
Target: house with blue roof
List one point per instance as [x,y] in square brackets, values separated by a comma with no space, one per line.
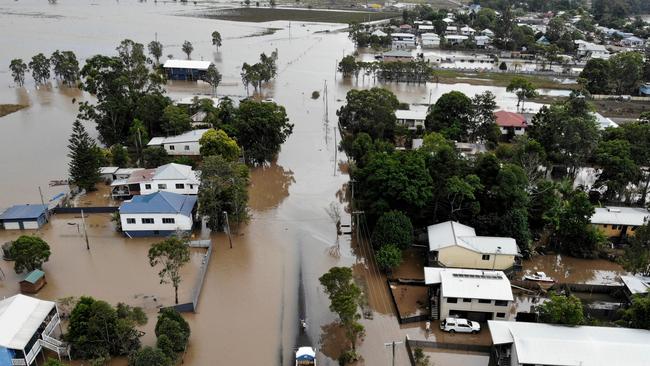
[21,217]
[158,214]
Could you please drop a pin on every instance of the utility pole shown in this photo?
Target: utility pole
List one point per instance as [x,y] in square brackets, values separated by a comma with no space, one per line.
[83,221]
[336,150]
[228,228]
[392,345]
[47,211]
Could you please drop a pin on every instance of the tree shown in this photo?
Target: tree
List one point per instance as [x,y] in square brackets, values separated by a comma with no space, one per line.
[522,88]
[614,157]
[575,235]
[18,69]
[175,120]
[217,142]
[119,155]
[638,314]
[262,127]
[636,258]
[172,253]
[389,256]
[451,116]
[420,358]
[348,66]
[483,124]
[187,48]
[149,356]
[29,253]
[371,111]
[595,76]
[124,89]
[213,77]
[561,309]
[155,50]
[172,327]
[224,188]
[66,66]
[393,228]
[96,330]
[84,163]
[626,72]
[155,156]
[40,66]
[345,297]
[216,39]
[397,181]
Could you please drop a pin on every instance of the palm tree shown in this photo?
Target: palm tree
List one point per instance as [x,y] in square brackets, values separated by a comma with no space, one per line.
[188,48]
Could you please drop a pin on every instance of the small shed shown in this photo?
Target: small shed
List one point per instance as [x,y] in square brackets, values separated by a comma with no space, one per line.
[190,70]
[33,282]
[20,217]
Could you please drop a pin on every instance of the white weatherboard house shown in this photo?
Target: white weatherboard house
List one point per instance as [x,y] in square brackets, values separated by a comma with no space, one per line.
[175,178]
[469,293]
[453,244]
[183,144]
[27,325]
[519,344]
[158,214]
[411,119]
[403,40]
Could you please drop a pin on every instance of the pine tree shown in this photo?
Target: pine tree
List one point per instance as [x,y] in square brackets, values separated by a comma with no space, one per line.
[84,164]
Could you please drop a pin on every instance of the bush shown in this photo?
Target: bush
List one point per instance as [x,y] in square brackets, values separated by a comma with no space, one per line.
[394,228]
[315,94]
[149,356]
[348,357]
[388,257]
[503,66]
[29,253]
[172,326]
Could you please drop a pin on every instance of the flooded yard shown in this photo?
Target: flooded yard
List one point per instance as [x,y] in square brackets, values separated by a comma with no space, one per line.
[565,269]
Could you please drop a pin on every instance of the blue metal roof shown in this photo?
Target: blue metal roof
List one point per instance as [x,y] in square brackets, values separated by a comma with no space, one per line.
[160,202]
[21,212]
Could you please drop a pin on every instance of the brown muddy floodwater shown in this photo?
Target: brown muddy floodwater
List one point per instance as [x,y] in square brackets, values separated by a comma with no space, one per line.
[255,293]
[565,269]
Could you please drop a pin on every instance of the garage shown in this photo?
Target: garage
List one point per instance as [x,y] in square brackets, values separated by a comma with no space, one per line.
[24,217]
[477,316]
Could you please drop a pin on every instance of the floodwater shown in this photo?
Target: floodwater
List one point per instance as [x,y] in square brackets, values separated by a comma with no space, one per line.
[565,269]
[255,293]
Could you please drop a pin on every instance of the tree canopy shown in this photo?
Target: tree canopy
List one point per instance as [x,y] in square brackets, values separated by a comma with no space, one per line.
[83,167]
[172,254]
[451,116]
[371,111]
[29,253]
[393,228]
[217,142]
[561,309]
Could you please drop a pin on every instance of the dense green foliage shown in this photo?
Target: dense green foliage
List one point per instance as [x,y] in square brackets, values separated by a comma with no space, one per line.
[173,332]
[261,128]
[388,257]
[623,73]
[29,253]
[84,164]
[149,356]
[393,228]
[345,297]
[561,309]
[217,142]
[637,253]
[371,111]
[18,69]
[638,314]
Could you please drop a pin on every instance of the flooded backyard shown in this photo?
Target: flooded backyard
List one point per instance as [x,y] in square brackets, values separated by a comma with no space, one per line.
[251,295]
[565,269]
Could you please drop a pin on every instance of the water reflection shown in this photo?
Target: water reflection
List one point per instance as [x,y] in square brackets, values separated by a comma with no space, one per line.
[575,270]
[269,186]
[333,340]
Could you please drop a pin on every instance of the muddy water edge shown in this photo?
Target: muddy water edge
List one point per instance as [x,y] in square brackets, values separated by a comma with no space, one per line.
[255,293]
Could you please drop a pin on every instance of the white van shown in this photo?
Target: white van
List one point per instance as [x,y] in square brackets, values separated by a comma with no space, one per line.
[460,325]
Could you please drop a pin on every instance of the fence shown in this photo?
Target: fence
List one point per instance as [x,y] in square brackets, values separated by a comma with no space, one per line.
[86,210]
[405,282]
[412,343]
[619,97]
[190,307]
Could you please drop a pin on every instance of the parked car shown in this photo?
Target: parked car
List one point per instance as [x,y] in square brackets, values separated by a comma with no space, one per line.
[460,325]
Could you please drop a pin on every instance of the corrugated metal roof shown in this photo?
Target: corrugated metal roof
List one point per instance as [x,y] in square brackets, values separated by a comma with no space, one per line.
[187,64]
[547,344]
[19,212]
[189,136]
[636,285]
[411,114]
[451,233]
[160,202]
[34,276]
[633,216]
[470,283]
[20,317]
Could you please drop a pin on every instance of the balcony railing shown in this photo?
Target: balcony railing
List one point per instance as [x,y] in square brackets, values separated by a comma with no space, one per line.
[51,325]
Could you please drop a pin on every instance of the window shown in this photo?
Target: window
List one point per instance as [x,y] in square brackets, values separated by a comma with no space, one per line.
[191,186]
[168,220]
[467,300]
[130,221]
[187,147]
[486,257]
[501,315]
[180,186]
[615,227]
[605,226]
[171,147]
[147,186]
[452,300]
[484,301]
[501,303]
[162,186]
[147,221]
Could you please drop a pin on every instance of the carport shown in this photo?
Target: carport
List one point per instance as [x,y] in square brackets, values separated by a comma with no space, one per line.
[477,316]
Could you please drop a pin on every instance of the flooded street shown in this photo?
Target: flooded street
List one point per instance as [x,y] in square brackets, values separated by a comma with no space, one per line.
[249,310]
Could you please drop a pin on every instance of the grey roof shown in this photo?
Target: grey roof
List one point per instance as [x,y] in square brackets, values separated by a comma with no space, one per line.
[21,212]
[470,283]
[398,53]
[546,344]
[633,216]
[636,285]
[452,233]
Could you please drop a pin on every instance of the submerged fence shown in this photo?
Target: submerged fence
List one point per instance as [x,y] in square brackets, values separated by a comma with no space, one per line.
[196,293]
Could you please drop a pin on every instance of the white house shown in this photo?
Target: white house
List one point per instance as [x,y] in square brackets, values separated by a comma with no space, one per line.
[158,214]
[522,343]
[378,33]
[591,50]
[633,41]
[403,40]
[468,293]
[453,244]
[426,28]
[455,38]
[467,31]
[451,29]
[27,325]
[411,119]
[175,178]
[482,41]
[183,144]
[430,40]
